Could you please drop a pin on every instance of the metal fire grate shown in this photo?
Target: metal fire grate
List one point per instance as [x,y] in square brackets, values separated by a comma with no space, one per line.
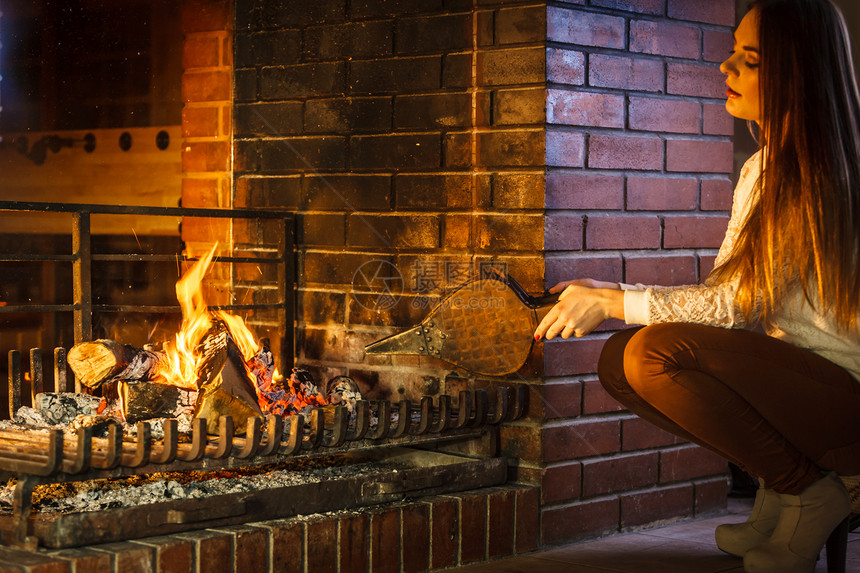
[36,457]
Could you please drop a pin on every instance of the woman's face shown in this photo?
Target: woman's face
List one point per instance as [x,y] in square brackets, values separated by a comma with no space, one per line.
[741,69]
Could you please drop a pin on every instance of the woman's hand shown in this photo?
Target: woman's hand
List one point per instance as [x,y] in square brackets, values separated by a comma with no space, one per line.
[582,306]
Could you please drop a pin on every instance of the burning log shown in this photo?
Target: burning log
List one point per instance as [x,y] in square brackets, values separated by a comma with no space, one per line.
[145,400]
[275,397]
[100,361]
[303,392]
[224,383]
[215,361]
[269,389]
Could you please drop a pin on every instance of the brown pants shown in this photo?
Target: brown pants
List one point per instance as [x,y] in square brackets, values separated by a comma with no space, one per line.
[775,410]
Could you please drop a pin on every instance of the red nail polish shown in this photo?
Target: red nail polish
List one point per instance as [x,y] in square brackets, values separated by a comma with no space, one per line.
[537,336]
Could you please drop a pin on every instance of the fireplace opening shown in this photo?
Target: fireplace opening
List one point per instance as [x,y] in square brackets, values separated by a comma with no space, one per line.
[97,420]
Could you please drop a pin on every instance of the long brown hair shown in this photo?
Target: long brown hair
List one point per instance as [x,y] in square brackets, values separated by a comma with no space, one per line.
[805,227]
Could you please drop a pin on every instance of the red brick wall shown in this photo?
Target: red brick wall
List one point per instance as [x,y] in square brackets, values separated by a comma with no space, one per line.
[207,61]
[635,86]
[432,533]
[408,135]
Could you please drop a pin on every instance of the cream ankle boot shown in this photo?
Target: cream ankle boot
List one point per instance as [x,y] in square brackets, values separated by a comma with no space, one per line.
[738,538]
[804,525]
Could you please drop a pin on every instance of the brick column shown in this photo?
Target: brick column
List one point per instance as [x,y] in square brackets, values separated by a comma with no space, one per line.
[207,130]
[639,154]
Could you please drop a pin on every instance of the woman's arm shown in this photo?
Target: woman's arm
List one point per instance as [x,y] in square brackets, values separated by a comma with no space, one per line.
[585,303]
[581,309]
[709,304]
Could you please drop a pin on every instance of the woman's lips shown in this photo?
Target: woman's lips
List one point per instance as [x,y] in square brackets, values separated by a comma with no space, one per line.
[732,93]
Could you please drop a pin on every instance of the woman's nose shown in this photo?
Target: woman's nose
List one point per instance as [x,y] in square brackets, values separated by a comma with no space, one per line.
[728,67]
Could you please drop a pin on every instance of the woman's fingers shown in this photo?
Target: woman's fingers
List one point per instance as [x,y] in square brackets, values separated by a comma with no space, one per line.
[545,323]
[564,317]
[579,310]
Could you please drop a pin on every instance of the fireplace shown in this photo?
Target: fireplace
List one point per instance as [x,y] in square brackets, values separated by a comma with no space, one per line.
[433,448]
[428,140]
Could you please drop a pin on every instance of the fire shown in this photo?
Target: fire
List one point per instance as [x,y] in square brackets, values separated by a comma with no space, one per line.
[184,357]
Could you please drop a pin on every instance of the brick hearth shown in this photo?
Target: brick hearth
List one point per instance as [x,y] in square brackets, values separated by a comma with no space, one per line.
[435,532]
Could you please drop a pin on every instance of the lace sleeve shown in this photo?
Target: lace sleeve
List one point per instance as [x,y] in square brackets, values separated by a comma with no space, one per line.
[713,305]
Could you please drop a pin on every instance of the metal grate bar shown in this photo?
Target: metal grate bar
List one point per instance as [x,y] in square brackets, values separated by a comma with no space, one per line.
[137,210]
[15,382]
[82,284]
[46,454]
[61,378]
[82,258]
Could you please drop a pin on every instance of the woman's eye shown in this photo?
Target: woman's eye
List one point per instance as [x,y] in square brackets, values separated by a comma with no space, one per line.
[752,65]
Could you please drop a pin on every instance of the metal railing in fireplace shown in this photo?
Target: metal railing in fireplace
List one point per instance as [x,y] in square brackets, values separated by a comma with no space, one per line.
[82,257]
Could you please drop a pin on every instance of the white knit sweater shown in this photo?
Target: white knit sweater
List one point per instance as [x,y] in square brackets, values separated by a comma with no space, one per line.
[796,321]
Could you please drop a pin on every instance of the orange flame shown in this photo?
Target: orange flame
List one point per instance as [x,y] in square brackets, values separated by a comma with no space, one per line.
[182,357]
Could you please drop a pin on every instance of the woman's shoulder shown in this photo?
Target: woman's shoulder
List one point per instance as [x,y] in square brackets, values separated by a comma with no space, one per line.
[752,166]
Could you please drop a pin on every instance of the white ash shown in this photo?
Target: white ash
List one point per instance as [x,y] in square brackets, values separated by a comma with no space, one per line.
[98,422]
[349,398]
[63,407]
[156,426]
[52,409]
[343,390]
[29,417]
[98,495]
[30,420]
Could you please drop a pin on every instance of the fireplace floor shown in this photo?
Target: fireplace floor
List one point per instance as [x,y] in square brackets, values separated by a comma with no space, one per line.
[99,511]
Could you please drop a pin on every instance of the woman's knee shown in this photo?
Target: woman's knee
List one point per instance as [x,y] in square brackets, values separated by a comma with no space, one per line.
[659,350]
[610,365]
[632,358]
[649,352]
